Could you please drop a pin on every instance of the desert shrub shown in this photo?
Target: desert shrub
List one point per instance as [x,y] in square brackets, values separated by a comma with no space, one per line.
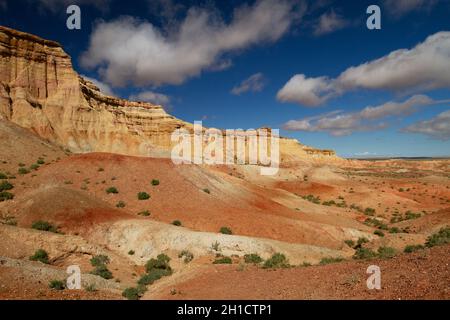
[144,213]
[131,252]
[223,260]
[206,190]
[378,233]
[386,252]
[350,243]
[329,260]
[413,248]
[188,256]
[100,169]
[154,275]
[312,199]
[99,260]
[44,226]
[103,272]
[40,161]
[394,230]
[369,211]
[57,285]
[439,238]
[306,264]
[364,253]
[34,166]
[41,256]
[143,196]
[252,258]
[215,246]
[361,241]
[155,182]
[112,190]
[3,176]
[22,164]
[177,223]
[225,230]
[23,171]
[411,215]
[277,260]
[120,204]
[329,203]
[132,293]
[161,262]
[5,186]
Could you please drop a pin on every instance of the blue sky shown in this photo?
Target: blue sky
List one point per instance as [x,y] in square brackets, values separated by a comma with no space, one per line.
[321,40]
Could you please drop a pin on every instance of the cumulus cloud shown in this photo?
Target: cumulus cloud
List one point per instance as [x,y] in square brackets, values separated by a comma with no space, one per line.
[338,123]
[55,5]
[254,83]
[402,7]
[424,67]
[152,97]
[128,50]
[329,22]
[437,127]
[104,88]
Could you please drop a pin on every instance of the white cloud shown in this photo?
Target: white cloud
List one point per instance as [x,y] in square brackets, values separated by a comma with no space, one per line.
[402,7]
[128,50]
[329,22]
[152,97]
[104,88]
[437,127]
[55,5]
[338,123]
[424,67]
[254,83]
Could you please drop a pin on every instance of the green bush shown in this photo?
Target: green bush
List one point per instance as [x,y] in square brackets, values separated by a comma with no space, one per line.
[3,176]
[44,226]
[155,182]
[145,213]
[121,204]
[143,196]
[252,258]
[41,256]
[132,293]
[364,253]
[439,238]
[6,196]
[57,285]
[161,262]
[131,252]
[112,190]
[188,256]
[278,260]
[369,211]
[223,260]
[329,260]
[386,252]
[5,186]
[99,260]
[350,243]
[378,233]
[177,223]
[154,275]
[413,248]
[23,171]
[40,161]
[34,166]
[361,241]
[103,272]
[394,230]
[225,230]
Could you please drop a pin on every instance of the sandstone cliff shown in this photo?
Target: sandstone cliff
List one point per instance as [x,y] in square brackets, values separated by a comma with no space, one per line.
[39,90]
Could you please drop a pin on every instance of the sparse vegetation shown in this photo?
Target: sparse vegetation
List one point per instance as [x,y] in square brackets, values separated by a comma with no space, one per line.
[100,262]
[144,213]
[112,190]
[91,288]
[131,252]
[378,233]
[155,182]
[134,293]
[57,285]
[329,260]
[277,260]
[143,196]
[23,171]
[5,186]
[6,196]
[312,198]
[215,246]
[121,204]
[3,176]
[369,212]
[439,238]
[44,226]
[386,252]
[225,230]
[364,253]
[176,223]
[188,256]
[161,262]
[223,260]
[350,243]
[413,248]
[41,256]
[252,258]
[206,190]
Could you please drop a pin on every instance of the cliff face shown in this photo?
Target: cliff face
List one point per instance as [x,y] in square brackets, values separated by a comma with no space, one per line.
[39,90]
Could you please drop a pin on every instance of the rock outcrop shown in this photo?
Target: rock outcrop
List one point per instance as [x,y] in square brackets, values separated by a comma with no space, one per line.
[40,91]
